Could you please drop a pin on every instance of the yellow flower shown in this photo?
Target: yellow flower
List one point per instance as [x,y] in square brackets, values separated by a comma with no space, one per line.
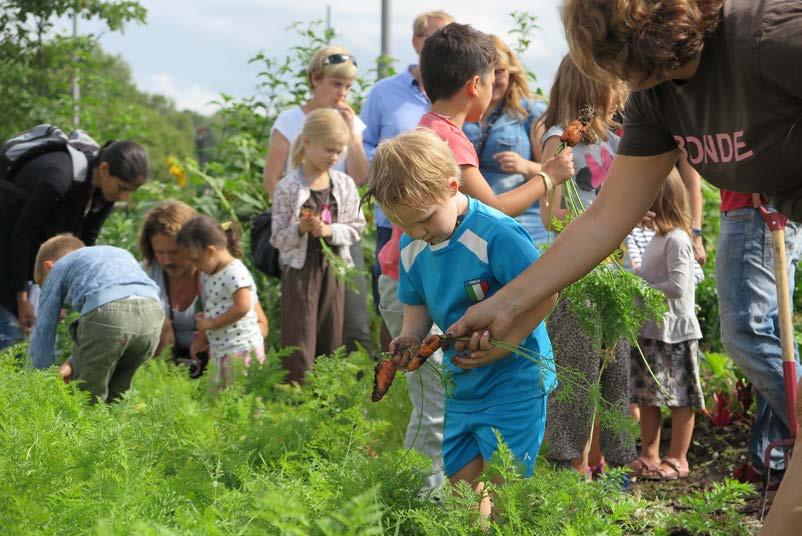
[178,172]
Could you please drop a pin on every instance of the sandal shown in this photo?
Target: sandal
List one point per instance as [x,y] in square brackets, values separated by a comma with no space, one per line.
[676,469]
[598,470]
[641,467]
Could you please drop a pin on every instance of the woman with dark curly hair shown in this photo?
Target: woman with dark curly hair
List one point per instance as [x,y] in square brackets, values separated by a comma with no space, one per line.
[716,81]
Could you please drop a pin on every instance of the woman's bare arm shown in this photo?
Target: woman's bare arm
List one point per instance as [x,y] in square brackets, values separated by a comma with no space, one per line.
[276,161]
[628,192]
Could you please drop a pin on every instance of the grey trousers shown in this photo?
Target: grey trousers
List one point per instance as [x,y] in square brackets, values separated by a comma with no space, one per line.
[425,428]
[356,318]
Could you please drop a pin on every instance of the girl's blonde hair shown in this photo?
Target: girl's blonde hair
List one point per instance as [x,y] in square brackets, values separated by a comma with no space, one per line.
[518,88]
[324,126]
[671,206]
[573,91]
[319,69]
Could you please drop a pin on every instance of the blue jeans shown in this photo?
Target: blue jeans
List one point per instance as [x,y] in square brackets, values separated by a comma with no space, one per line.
[750,333]
[10,331]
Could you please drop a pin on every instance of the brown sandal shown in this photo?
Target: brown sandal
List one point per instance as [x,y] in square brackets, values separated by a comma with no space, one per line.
[641,467]
[675,469]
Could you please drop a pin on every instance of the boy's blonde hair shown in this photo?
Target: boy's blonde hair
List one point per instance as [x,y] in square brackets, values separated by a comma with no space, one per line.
[323,126]
[421,23]
[411,169]
[52,250]
[319,69]
[670,208]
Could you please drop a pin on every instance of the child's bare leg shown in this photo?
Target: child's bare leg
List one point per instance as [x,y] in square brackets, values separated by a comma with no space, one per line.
[650,424]
[595,456]
[682,420]
[634,410]
[470,473]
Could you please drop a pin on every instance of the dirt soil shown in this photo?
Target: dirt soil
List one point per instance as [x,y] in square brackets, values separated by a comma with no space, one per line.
[713,455]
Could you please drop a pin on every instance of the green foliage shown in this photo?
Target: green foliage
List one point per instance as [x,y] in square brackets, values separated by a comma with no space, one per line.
[611,304]
[268,458]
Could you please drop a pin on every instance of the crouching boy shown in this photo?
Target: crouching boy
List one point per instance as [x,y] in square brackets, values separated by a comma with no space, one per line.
[457,251]
[121,316]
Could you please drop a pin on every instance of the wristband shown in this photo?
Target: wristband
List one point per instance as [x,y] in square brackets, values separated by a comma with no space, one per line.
[549,185]
[697,231]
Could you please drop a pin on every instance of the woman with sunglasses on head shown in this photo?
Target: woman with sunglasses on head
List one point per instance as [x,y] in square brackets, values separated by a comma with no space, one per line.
[331,72]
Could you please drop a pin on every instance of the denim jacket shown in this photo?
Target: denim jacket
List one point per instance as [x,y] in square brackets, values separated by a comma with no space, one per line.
[291,193]
[509,133]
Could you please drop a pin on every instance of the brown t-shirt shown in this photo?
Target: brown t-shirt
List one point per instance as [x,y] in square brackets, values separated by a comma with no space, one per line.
[739,119]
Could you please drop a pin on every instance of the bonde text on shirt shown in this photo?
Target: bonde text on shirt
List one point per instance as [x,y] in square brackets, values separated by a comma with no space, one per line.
[714,148]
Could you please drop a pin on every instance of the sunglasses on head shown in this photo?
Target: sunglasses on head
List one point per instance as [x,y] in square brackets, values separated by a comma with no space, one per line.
[336,59]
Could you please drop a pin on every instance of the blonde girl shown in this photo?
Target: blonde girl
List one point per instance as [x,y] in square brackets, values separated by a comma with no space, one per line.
[331,72]
[574,438]
[671,347]
[228,290]
[313,204]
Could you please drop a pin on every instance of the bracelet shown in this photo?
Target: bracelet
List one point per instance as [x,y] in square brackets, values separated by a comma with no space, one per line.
[697,231]
[549,185]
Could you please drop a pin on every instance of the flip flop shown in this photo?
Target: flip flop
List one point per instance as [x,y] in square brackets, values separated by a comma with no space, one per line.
[641,467]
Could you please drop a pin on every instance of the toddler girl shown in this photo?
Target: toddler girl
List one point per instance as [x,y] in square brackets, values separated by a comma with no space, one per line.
[669,348]
[229,296]
[314,204]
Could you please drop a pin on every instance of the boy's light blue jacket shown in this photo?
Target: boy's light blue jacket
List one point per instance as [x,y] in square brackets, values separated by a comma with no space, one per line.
[84,280]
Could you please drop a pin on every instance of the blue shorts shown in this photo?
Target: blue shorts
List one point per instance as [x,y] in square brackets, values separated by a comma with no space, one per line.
[468,435]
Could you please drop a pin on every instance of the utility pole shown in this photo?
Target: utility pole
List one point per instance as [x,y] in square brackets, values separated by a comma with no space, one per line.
[385,39]
[329,29]
[76,88]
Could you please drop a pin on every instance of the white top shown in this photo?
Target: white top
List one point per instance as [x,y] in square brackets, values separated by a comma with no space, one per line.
[218,297]
[668,266]
[291,123]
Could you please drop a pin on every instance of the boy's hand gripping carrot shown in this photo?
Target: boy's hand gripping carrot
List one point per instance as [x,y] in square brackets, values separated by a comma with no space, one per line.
[384,372]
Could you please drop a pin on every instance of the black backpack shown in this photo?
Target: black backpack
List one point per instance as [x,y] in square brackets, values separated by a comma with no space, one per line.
[40,140]
[265,256]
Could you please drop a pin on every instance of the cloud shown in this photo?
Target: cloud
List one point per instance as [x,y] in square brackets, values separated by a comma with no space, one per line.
[187,96]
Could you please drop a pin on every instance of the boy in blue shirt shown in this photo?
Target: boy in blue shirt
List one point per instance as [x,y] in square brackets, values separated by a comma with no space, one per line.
[457,251]
[121,316]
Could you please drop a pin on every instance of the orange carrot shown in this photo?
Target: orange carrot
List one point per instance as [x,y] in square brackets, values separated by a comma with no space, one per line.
[383,375]
[573,133]
[429,346]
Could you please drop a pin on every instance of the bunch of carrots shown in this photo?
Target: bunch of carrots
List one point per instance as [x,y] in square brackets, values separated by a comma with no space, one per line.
[385,370]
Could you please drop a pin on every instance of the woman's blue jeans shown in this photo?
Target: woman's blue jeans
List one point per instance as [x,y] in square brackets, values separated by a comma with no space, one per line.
[750,333]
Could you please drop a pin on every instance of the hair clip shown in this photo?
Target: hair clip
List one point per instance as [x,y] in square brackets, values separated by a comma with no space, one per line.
[226,225]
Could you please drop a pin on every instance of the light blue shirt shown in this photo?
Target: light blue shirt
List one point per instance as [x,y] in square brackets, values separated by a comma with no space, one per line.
[486,251]
[84,280]
[394,105]
[509,132]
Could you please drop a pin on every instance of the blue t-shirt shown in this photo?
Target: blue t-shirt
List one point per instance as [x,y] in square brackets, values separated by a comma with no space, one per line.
[486,251]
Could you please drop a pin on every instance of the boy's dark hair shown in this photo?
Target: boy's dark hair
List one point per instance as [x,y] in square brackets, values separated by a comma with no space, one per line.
[453,55]
[127,160]
[203,231]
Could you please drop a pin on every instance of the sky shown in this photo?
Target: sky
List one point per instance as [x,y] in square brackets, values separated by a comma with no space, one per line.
[193,50]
